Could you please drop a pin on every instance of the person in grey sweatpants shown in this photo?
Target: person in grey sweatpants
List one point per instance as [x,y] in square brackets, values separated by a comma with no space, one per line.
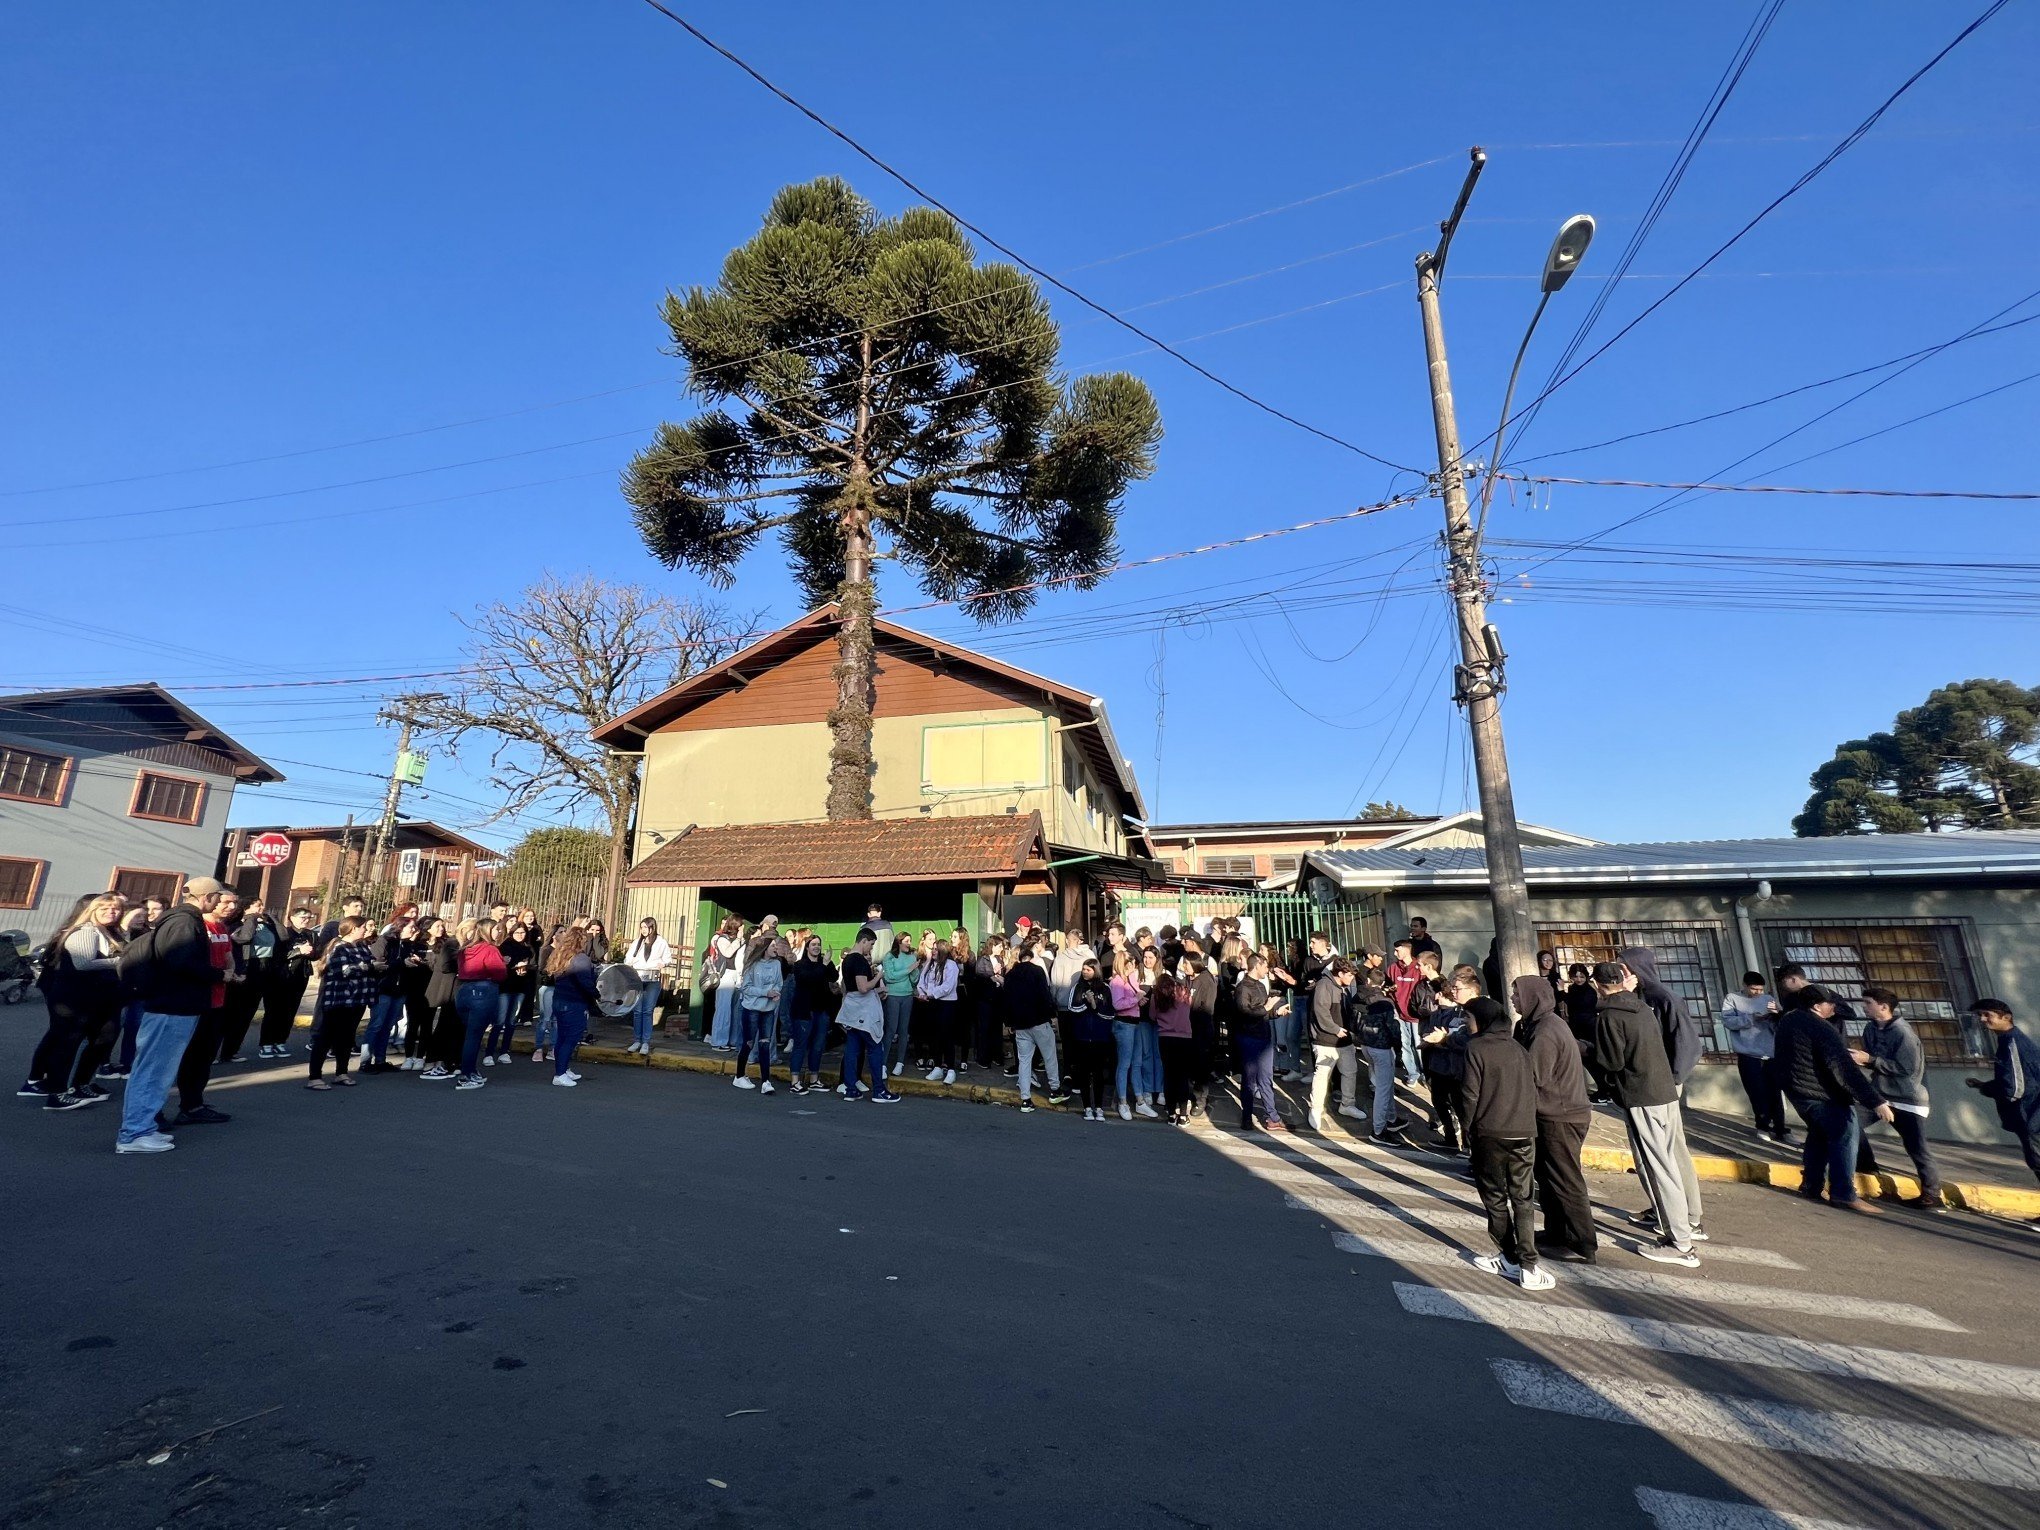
[1629,1055]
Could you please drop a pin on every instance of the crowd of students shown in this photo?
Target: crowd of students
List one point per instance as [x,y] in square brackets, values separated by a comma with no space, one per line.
[1148,1025]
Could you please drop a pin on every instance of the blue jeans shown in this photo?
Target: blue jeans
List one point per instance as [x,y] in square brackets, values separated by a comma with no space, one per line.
[497,1041]
[571,1018]
[810,1037]
[782,1020]
[475,1003]
[1288,1027]
[130,1024]
[1147,1061]
[1257,1080]
[160,1041]
[757,1032]
[1829,1153]
[1126,1041]
[899,1014]
[1412,1063]
[723,1032]
[647,1009]
[383,1024]
[1381,1064]
[543,1030]
[859,1049]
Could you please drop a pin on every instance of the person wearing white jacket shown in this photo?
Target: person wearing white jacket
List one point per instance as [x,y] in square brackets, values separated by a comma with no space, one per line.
[649,956]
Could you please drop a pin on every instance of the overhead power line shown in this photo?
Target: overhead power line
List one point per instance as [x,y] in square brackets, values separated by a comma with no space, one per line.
[1780,488]
[1010,253]
[1806,178]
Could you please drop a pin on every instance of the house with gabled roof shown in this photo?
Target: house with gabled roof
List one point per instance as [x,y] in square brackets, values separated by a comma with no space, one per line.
[997,793]
[117,788]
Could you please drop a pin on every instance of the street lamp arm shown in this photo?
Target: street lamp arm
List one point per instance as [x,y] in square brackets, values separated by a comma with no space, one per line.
[1487,482]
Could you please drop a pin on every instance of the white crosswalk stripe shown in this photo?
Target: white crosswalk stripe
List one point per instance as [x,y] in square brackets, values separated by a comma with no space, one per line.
[1733,1346]
[1968,1455]
[1648,1283]
[1459,1215]
[1682,1511]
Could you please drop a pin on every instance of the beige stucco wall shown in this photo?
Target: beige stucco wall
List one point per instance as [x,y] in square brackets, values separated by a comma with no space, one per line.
[779,774]
[2001,933]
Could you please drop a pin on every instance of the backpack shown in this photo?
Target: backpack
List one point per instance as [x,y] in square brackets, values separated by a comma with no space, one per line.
[714,966]
[137,964]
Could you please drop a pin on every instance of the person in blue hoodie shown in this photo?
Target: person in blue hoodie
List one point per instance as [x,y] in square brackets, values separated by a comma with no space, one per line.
[2015,1080]
[1682,1050]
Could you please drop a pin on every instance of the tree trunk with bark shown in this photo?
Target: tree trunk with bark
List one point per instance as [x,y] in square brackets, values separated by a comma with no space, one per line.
[856,674]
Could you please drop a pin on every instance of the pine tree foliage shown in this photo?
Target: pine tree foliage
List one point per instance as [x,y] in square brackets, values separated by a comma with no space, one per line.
[872,392]
[1966,758]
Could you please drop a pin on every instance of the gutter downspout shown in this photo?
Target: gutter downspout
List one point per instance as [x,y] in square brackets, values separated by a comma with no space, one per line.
[1748,935]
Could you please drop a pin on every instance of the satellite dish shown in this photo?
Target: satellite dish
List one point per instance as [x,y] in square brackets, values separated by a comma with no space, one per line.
[616,990]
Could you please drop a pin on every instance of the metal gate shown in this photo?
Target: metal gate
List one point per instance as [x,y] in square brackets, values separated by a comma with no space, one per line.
[1278,918]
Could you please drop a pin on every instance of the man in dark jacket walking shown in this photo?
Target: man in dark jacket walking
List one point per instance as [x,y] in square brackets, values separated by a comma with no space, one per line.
[169,969]
[1682,1052]
[2015,1079]
[1378,1029]
[1501,1120]
[1825,1086]
[1629,1054]
[1563,1116]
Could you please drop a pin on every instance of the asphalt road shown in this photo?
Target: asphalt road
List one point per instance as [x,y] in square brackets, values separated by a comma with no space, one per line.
[657,1300]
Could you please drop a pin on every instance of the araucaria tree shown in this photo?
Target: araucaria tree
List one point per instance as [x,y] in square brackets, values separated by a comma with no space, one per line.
[874,393]
[1966,758]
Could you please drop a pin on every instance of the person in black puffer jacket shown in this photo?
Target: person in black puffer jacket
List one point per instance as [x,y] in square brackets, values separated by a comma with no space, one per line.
[1563,1116]
[1501,1125]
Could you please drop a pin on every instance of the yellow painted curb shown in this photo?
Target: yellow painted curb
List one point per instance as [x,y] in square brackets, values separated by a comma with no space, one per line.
[2000,1200]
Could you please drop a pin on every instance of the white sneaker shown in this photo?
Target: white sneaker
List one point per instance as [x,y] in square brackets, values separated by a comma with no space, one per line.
[488,1061]
[1124,1113]
[503,1057]
[150,1142]
[565,1080]
[1147,1110]
[1490,1264]
[1664,1253]
[767,1087]
[840,1088]
[1353,1112]
[1535,1278]
[949,1076]
[744,1082]
[634,1047]
[896,1069]
[934,1075]
[573,1075]
[1316,1120]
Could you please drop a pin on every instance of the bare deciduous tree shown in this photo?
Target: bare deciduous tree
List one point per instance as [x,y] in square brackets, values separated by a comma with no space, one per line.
[546,669]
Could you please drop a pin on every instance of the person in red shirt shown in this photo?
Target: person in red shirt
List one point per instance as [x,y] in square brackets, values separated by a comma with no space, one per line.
[1403,975]
[195,1071]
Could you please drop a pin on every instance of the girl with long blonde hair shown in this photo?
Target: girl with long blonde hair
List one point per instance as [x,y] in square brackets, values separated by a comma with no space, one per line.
[82,987]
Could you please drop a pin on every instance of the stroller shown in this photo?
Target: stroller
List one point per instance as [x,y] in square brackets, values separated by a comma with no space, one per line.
[17,972]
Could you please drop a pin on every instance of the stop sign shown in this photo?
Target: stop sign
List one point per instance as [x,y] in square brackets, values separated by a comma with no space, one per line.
[269,849]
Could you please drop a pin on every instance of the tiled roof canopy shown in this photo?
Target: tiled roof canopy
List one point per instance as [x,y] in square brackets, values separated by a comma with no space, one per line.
[865,850]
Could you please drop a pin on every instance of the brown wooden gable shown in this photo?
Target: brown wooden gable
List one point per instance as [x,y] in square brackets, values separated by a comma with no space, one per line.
[799,688]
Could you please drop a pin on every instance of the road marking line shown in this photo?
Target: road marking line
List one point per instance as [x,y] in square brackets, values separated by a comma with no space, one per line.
[1731,1346]
[1968,1455]
[1719,1293]
[1463,1216]
[1681,1511]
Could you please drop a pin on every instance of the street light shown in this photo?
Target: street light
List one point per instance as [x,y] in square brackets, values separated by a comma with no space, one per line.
[1567,250]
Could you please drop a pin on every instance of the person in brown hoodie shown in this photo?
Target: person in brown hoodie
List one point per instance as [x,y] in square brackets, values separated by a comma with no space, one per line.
[1563,1116]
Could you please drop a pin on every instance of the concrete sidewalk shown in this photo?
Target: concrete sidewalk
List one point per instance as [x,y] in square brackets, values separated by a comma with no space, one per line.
[1987,1180]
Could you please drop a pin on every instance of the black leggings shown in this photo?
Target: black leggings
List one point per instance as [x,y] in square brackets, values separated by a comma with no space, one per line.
[1092,1062]
[337,1026]
[942,1036]
[280,999]
[1179,1056]
[243,999]
[80,1037]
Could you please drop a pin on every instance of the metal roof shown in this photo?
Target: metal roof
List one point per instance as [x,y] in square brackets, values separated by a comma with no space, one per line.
[1980,854]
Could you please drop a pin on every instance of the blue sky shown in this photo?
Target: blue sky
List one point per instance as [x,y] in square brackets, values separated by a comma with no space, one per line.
[240,230]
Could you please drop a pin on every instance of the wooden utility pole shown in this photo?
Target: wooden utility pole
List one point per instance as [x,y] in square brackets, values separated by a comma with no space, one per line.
[1478,680]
